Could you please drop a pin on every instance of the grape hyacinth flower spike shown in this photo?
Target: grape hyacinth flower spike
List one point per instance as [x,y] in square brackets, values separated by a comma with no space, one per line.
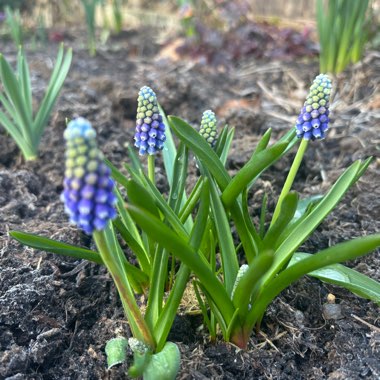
[150,130]
[208,127]
[88,188]
[312,124]
[313,120]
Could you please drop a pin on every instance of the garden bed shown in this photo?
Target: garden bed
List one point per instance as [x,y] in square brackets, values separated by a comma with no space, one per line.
[57,313]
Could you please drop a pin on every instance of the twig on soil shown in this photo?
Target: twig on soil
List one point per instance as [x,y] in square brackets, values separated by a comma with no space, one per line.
[73,335]
[280,101]
[287,119]
[372,327]
[76,270]
[269,341]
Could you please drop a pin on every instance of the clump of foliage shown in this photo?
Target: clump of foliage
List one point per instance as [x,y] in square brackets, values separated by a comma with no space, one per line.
[25,126]
[187,234]
[90,7]
[343,29]
[14,22]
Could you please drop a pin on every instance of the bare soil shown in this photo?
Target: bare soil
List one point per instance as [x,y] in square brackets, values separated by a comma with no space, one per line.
[57,313]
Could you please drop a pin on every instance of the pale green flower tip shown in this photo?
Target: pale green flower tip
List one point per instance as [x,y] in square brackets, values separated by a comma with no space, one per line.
[242,270]
[79,128]
[208,127]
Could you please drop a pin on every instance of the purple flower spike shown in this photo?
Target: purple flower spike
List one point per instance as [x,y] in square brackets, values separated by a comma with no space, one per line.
[148,123]
[315,110]
[88,188]
[208,127]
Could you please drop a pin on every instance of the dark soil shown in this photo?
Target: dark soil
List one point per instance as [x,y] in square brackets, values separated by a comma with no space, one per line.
[57,313]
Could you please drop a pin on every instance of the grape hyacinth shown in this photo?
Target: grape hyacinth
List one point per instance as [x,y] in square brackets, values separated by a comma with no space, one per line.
[88,188]
[150,130]
[208,127]
[312,123]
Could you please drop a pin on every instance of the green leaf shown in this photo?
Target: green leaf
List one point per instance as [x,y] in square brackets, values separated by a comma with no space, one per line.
[166,318]
[164,365]
[203,308]
[288,208]
[137,249]
[58,76]
[17,135]
[14,93]
[116,351]
[181,229]
[221,140]
[302,230]
[250,171]
[348,250]
[189,205]
[246,284]
[263,214]
[200,223]
[164,236]
[177,189]
[264,141]
[345,277]
[135,161]
[201,148]
[53,246]
[225,145]
[127,220]
[116,174]
[211,161]
[304,204]
[247,217]
[169,152]
[141,197]
[24,80]
[227,249]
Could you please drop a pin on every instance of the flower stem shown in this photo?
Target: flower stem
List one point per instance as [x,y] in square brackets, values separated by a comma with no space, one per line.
[151,168]
[290,179]
[137,323]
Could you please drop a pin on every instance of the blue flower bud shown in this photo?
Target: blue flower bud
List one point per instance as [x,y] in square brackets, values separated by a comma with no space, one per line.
[150,130]
[312,123]
[88,188]
[208,127]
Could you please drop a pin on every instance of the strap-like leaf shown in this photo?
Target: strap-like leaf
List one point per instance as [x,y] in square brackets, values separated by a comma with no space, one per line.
[341,275]
[177,188]
[15,96]
[288,208]
[164,236]
[53,246]
[24,80]
[348,250]
[201,148]
[303,230]
[246,284]
[227,249]
[165,320]
[250,170]
[57,79]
